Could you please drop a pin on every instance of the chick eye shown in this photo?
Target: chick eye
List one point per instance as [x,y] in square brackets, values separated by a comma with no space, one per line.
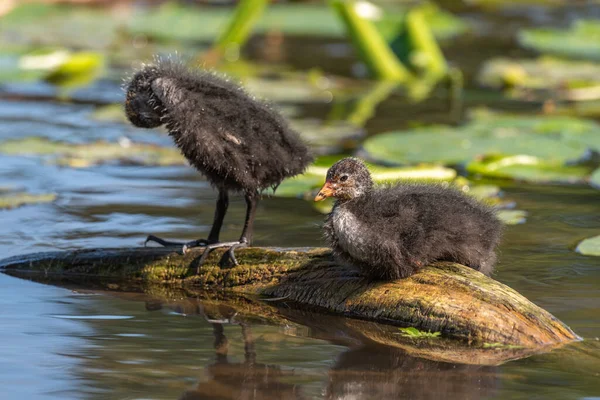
[344,178]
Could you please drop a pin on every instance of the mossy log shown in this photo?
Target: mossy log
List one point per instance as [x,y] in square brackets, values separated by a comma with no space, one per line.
[445,297]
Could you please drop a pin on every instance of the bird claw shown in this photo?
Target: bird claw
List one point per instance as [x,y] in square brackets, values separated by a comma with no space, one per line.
[228,258]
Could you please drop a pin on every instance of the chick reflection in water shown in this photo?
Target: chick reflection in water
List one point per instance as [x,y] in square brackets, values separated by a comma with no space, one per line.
[245,380]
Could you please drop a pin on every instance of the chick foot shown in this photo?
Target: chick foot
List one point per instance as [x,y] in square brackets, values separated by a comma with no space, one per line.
[228,258]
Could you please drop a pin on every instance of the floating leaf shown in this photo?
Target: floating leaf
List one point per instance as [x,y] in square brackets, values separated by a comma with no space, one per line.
[589,246]
[581,41]
[417,334]
[520,147]
[77,70]
[85,155]
[512,217]
[569,80]
[18,199]
[527,168]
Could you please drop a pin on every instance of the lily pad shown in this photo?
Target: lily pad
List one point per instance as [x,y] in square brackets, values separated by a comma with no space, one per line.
[78,69]
[17,199]
[518,140]
[582,40]
[512,217]
[569,80]
[527,168]
[85,155]
[589,246]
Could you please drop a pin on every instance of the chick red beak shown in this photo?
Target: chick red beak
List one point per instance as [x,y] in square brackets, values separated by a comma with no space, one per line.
[326,191]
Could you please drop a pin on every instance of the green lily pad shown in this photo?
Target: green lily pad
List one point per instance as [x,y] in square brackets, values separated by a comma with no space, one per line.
[527,168]
[85,155]
[78,69]
[582,40]
[18,199]
[569,80]
[589,246]
[521,141]
[512,217]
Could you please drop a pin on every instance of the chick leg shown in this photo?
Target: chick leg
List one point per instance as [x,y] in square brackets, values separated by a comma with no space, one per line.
[245,240]
[213,236]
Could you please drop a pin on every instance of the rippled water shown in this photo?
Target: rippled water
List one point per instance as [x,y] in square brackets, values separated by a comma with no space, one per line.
[70,343]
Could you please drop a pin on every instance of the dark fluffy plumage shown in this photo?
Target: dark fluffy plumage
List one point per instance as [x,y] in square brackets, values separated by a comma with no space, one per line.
[389,232]
[237,142]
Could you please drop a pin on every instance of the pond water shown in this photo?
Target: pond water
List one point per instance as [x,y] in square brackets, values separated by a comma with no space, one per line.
[69,342]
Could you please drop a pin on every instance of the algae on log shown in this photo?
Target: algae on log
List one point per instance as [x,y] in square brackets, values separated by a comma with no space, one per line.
[449,298]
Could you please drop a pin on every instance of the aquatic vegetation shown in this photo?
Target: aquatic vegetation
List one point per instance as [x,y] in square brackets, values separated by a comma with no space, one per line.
[78,69]
[525,78]
[173,21]
[528,148]
[512,217]
[417,334]
[582,40]
[589,246]
[85,155]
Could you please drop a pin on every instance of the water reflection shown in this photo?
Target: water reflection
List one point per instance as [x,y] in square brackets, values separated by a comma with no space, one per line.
[366,370]
[242,380]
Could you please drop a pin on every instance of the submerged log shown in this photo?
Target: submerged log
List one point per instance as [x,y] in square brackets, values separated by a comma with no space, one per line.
[445,297]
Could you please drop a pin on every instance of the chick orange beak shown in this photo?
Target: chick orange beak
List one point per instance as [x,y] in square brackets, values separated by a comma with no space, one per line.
[325,192]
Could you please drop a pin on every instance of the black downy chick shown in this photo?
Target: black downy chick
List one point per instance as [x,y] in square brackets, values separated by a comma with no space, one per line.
[390,232]
[238,143]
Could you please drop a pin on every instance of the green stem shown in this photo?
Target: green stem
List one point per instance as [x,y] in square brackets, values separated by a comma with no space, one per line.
[423,43]
[371,46]
[244,18]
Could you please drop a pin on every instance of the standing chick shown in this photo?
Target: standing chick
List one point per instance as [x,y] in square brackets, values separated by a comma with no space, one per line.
[390,232]
[238,143]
